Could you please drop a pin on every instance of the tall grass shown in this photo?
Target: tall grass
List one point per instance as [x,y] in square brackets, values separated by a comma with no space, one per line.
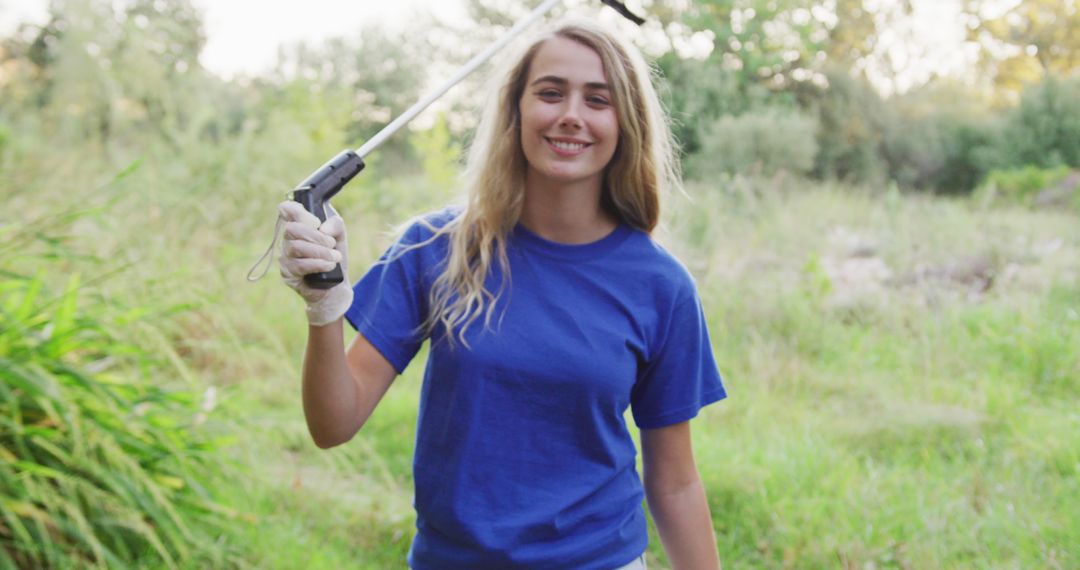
[104,458]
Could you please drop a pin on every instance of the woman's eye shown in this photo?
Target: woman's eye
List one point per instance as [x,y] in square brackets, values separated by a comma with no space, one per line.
[597,100]
[549,94]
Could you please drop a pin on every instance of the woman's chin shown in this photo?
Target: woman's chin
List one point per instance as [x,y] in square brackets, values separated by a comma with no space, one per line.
[557,175]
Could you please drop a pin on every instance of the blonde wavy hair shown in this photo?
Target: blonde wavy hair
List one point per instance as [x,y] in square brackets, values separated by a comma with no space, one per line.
[643,167]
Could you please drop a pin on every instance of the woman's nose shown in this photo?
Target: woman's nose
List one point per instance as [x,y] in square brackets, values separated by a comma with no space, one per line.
[571,113]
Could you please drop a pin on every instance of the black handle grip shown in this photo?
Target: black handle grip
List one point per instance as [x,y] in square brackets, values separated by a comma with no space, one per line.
[315,191]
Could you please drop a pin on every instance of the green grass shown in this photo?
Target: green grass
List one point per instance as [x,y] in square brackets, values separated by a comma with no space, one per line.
[908,419]
[923,425]
[101,467]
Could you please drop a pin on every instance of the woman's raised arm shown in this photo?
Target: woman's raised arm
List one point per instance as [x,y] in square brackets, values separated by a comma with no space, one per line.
[339,391]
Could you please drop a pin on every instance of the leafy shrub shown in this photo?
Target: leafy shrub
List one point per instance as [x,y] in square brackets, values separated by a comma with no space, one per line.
[852,119]
[970,148]
[1021,185]
[1044,129]
[940,138]
[764,141]
[696,93]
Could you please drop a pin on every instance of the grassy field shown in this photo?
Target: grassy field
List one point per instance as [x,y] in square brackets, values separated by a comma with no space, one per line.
[903,370]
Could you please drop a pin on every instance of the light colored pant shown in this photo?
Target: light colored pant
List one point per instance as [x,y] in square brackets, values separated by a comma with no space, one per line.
[637,564]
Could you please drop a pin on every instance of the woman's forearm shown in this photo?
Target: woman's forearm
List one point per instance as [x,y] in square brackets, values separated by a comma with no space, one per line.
[685,526]
[329,388]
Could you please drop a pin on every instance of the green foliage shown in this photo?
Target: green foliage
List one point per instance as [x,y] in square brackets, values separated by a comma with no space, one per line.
[940,137]
[1044,130]
[1020,185]
[767,42]
[440,155]
[766,50]
[763,141]
[943,137]
[696,93]
[97,71]
[818,283]
[1041,33]
[101,466]
[105,459]
[851,127]
[353,85]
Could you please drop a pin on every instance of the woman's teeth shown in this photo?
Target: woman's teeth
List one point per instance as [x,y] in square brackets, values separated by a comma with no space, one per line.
[567,146]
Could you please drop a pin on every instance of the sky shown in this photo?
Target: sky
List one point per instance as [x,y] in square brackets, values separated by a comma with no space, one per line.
[238,43]
[243,35]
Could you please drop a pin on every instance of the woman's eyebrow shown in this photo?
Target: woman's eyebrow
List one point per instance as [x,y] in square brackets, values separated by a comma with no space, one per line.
[561,81]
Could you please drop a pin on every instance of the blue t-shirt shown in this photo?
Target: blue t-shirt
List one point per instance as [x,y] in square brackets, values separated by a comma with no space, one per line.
[523,458]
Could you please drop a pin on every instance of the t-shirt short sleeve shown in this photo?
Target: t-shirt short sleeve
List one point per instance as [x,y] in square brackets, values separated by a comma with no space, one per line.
[681,376]
[390,302]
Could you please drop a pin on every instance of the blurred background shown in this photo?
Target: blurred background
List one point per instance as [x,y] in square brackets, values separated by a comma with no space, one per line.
[882,212]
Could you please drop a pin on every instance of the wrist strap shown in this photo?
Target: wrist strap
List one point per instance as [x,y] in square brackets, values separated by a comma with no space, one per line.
[266,255]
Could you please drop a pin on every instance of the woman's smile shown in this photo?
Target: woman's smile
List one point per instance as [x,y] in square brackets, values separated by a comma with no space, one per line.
[568,147]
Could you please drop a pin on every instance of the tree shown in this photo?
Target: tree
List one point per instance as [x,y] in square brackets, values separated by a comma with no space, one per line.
[97,70]
[852,121]
[1026,42]
[347,89]
[1044,129]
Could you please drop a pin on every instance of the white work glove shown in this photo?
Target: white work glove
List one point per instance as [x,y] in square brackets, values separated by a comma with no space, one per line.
[309,246]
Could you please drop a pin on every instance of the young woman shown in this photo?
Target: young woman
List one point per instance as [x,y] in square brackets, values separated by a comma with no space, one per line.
[550,311]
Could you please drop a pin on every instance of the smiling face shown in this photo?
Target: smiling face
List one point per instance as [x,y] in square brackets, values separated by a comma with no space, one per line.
[569,127]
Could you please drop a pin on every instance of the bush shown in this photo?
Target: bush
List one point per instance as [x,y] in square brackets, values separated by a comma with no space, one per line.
[851,128]
[696,93]
[765,141]
[1044,130]
[1021,185]
[940,138]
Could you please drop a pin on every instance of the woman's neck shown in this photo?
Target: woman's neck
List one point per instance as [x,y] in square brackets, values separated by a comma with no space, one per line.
[566,213]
